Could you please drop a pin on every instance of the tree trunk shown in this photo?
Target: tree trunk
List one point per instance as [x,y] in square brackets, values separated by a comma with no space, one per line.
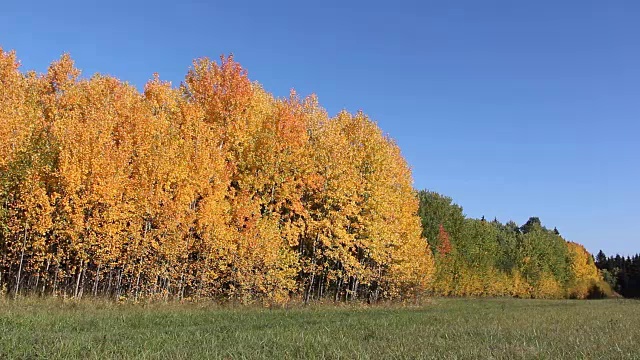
[355,288]
[44,281]
[137,285]
[118,284]
[181,287]
[80,270]
[82,281]
[338,286]
[35,287]
[24,243]
[95,283]
[323,284]
[55,282]
[310,288]
[109,285]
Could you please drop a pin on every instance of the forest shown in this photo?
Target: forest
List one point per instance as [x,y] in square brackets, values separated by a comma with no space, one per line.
[621,273]
[217,189]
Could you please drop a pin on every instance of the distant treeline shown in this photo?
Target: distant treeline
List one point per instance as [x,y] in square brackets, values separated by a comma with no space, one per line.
[622,273]
[476,257]
[217,189]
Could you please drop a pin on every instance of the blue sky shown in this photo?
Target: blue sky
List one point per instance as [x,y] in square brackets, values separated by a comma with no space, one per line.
[513,108]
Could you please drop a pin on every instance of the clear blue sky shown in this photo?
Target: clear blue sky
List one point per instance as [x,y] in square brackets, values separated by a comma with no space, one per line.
[513,108]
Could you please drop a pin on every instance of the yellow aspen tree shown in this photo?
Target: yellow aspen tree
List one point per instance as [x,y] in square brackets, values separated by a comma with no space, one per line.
[183,183]
[91,119]
[31,222]
[365,227]
[26,174]
[250,133]
[585,277]
[15,124]
[332,205]
[547,287]
[519,286]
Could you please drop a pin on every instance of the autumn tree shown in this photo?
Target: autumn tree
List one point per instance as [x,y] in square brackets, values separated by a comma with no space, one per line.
[217,189]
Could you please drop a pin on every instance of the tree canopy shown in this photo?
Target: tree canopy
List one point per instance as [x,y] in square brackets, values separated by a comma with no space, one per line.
[217,189]
[212,189]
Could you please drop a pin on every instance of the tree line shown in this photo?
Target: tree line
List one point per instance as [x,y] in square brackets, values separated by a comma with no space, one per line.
[217,189]
[622,273]
[210,189]
[476,257]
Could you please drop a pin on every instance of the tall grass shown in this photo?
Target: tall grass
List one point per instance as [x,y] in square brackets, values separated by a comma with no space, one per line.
[440,329]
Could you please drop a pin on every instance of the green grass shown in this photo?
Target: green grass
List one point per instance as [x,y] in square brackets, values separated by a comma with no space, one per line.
[443,328]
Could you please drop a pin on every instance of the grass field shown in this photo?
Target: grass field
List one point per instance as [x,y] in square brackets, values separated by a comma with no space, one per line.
[442,328]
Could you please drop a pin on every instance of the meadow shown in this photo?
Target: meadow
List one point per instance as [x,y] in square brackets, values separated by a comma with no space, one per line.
[437,329]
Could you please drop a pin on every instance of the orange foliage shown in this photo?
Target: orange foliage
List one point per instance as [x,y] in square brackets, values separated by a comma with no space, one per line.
[444,245]
[215,189]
